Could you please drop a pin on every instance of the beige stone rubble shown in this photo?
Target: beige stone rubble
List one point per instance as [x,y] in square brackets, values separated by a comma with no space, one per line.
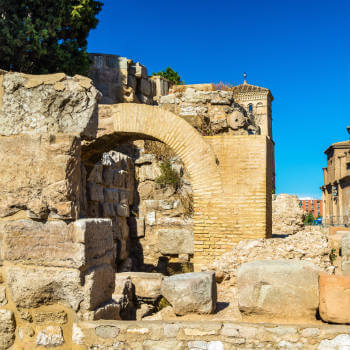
[287,215]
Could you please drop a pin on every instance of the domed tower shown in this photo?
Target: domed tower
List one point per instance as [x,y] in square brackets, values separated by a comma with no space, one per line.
[257,101]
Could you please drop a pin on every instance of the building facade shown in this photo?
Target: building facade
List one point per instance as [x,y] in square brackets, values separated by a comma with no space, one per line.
[336,188]
[314,206]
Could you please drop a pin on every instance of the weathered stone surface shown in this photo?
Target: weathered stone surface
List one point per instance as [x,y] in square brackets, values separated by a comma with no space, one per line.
[106,331]
[175,241]
[59,317]
[55,103]
[345,245]
[287,215]
[48,244]
[52,163]
[7,329]
[340,342]
[147,285]
[3,299]
[83,243]
[97,237]
[98,287]
[107,311]
[191,292]
[334,298]
[278,289]
[50,336]
[32,287]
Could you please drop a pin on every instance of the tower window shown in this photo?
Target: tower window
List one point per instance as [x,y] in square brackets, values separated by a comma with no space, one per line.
[250,108]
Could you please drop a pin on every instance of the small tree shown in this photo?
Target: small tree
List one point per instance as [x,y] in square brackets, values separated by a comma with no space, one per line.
[171,75]
[309,218]
[48,36]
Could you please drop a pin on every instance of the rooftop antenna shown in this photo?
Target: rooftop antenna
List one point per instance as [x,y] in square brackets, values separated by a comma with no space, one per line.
[245,78]
[348,130]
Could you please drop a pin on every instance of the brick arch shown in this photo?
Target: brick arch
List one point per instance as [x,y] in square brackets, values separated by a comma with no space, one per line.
[153,122]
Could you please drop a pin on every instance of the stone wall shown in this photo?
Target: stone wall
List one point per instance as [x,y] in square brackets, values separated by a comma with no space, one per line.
[122,80]
[209,110]
[164,210]
[109,193]
[148,335]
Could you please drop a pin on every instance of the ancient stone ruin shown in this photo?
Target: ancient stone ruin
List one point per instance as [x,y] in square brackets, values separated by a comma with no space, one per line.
[147,224]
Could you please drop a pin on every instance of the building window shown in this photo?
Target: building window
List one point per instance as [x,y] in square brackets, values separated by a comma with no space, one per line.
[348,166]
[250,108]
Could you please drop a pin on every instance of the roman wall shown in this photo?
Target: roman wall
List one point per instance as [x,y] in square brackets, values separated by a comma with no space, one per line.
[212,335]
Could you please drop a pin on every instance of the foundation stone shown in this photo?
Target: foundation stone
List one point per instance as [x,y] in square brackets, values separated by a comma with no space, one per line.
[278,289]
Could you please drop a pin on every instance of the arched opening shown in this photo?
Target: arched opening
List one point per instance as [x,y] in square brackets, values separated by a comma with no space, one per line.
[125,172]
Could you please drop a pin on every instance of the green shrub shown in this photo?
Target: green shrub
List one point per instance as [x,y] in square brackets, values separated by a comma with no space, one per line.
[168,177]
[171,75]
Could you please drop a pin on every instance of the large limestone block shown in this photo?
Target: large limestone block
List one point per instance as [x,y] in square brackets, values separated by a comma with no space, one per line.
[334,298]
[37,243]
[32,287]
[41,174]
[7,329]
[175,241]
[81,244]
[97,237]
[55,103]
[193,292]
[285,289]
[98,287]
[147,285]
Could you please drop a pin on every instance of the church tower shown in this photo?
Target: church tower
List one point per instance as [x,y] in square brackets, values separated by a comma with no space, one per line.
[257,101]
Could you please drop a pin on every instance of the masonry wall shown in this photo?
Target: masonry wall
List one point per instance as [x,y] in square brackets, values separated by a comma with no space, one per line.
[212,335]
[245,169]
[244,210]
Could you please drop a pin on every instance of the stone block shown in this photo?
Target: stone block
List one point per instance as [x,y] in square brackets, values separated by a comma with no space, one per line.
[138,70]
[50,336]
[109,311]
[123,210]
[95,192]
[147,285]
[52,163]
[146,158]
[108,210]
[111,195]
[334,298]
[175,241]
[31,287]
[108,175]
[148,172]
[37,243]
[98,287]
[96,174]
[81,244]
[191,292]
[285,289]
[58,317]
[146,87]
[7,329]
[54,103]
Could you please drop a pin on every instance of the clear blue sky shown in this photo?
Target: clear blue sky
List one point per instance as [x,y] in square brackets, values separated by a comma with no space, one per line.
[299,49]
